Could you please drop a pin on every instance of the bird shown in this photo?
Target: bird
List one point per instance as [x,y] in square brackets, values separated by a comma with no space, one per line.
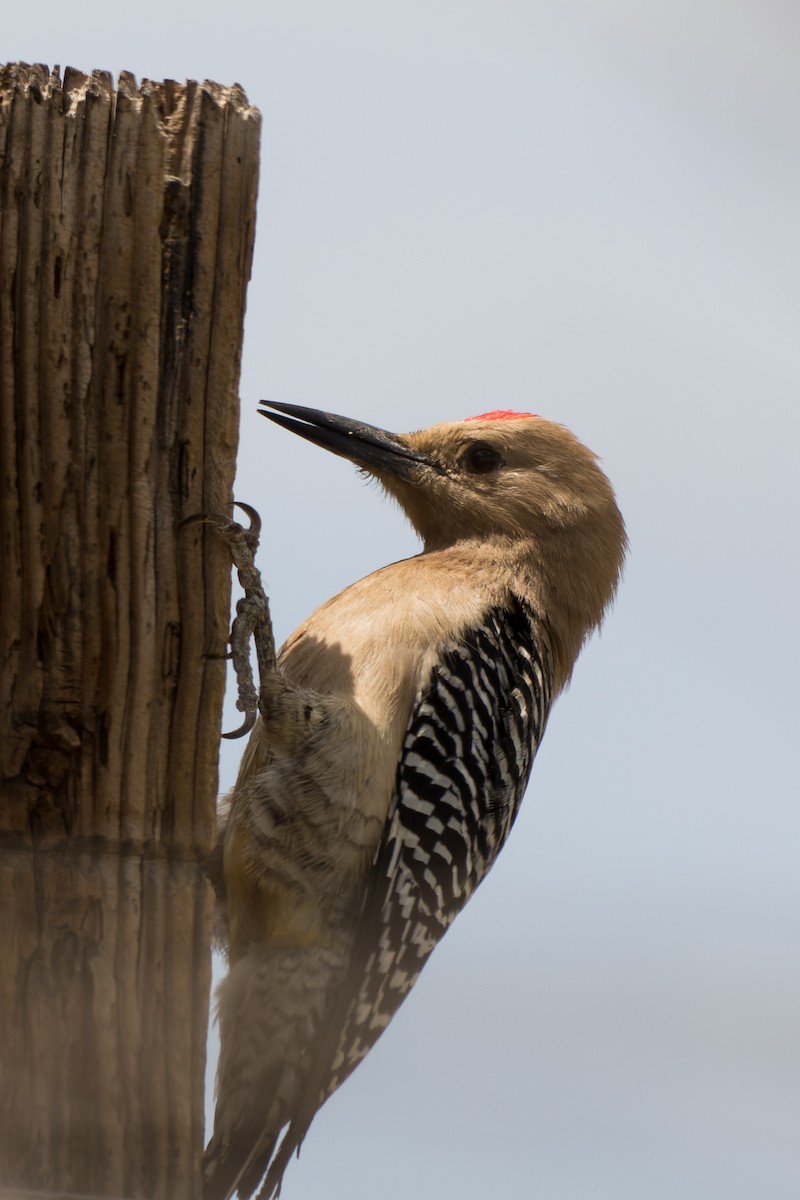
[395,738]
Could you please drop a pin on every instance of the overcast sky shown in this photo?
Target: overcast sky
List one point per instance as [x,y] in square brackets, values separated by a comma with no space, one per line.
[590,210]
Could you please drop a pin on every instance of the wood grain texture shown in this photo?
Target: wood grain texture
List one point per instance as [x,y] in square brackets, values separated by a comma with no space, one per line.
[126,233]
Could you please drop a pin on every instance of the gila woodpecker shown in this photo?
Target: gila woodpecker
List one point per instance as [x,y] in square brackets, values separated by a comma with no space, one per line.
[395,740]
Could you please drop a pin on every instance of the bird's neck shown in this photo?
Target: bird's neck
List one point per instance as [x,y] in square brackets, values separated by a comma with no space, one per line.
[555,579]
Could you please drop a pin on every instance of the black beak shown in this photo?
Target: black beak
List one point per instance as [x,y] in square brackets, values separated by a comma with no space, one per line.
[366,445]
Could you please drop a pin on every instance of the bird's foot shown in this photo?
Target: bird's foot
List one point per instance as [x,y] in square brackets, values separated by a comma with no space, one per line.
[252,620]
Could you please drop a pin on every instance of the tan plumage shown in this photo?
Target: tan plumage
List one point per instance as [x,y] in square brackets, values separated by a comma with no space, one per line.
[523,547]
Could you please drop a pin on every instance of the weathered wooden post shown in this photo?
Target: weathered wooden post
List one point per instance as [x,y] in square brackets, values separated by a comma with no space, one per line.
[126,235]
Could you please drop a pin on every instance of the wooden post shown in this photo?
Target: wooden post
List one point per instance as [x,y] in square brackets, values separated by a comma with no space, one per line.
[126,235]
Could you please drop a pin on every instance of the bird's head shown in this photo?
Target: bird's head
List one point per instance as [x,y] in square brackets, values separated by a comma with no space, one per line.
[523,483]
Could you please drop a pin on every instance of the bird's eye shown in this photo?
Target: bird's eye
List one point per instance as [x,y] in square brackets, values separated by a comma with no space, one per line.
[481,458]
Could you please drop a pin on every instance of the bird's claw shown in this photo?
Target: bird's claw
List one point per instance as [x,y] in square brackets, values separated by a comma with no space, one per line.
[252,618]
[230,529]
[254,517]
[245,727]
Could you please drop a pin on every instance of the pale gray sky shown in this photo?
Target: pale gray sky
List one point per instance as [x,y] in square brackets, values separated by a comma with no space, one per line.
[589,210]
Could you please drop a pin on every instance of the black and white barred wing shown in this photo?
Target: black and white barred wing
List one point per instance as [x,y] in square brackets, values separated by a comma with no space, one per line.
[467,755]
[465,764]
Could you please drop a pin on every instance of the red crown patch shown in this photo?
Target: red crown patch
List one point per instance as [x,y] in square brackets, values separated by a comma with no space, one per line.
[501,414]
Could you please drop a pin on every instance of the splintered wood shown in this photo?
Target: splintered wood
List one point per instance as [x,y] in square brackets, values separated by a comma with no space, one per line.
[126,235]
